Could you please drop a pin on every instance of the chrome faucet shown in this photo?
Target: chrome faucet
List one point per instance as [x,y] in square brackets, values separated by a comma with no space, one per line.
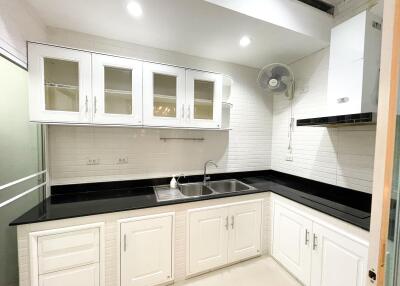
[206,178]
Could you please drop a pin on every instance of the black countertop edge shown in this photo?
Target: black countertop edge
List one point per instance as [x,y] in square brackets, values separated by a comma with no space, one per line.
[99,198]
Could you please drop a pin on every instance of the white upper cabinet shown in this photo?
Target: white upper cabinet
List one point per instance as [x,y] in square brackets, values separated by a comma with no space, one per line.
[163,95]
[71,87]
[117,90]
[203,99]
[59,84]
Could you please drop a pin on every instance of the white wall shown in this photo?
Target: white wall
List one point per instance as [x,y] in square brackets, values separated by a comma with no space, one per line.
[246,147]
[340,156]
[18,23]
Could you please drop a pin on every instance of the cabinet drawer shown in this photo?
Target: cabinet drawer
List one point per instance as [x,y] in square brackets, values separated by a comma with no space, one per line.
[80,276]
[66,250]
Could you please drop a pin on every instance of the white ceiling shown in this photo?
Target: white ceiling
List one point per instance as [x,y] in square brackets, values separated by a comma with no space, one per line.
[192,27]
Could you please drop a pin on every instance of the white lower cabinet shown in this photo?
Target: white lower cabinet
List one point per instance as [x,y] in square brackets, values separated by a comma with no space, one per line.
[67,256]
[146,250]
[337,259]
[223,234]
[315,253]
[291,242]
[87,275]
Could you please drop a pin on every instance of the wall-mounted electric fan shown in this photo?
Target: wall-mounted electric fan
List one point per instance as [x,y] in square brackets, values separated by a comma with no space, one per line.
[277,79]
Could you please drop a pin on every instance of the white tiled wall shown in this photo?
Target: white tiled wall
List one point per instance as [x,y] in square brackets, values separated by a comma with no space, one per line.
[258,139]
[246,147]
[341,156]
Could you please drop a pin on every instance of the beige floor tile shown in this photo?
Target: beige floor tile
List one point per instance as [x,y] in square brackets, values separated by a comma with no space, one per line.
[263,271]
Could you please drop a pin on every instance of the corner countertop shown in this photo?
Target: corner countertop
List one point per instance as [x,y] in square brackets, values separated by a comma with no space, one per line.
[72,201]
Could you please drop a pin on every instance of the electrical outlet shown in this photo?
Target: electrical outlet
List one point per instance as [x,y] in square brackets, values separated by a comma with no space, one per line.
[92,162]
[289,157]
[123,160]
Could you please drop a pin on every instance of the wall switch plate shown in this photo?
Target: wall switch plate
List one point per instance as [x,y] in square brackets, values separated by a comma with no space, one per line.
[289,157]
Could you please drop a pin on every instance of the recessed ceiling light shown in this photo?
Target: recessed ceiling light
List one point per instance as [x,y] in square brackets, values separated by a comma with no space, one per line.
[244,41]
[134,9]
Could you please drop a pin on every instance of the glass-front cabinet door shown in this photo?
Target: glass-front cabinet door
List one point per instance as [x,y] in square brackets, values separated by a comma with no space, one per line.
[163,95]
[203,99]
[117,90]
[59,84]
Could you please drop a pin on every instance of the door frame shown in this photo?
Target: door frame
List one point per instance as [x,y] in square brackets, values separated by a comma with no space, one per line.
[385,140]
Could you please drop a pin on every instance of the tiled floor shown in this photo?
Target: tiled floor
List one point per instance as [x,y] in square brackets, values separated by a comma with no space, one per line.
[262,271]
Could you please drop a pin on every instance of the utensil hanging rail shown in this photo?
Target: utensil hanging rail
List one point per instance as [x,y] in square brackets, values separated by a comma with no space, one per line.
[182,138]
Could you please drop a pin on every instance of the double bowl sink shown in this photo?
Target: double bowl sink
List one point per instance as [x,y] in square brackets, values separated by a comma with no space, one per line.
[193,190]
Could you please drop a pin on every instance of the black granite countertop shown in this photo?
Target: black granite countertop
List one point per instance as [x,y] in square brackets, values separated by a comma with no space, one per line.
[71,201]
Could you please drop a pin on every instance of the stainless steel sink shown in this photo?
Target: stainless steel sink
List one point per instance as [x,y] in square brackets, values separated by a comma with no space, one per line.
[228,186]
[194,190]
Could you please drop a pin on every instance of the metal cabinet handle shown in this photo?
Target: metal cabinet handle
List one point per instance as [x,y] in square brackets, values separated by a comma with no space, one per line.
[95,104]
[189,111]
[87,104]
[315,242]
[227,223]
[233,222]
[183,111]
[307,239]
[124,242]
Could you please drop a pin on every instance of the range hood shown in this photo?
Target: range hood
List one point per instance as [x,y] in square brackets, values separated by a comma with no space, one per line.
[353,74]
[340,120]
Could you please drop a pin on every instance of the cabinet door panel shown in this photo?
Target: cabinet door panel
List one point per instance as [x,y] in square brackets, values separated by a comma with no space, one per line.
[163,95]
[337,259]
[117,90]
[146,251]
[245,233]
[67,250]
[59,84]
[203,99]
[291,242]
[208,239]
[81,276]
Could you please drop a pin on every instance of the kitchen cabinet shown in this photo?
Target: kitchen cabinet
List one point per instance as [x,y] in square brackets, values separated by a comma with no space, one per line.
[117,90]
[71,86]
[87,275]
[291,242]
[203,99]
[146,250]
[163,95]
[67,256]
[223,234]
[315,252]
[59,84]
[245,233]
[337,259]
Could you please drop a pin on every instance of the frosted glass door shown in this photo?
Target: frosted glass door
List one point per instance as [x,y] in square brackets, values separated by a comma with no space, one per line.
[203,99]
[59,84]
[117,90]
[163,95]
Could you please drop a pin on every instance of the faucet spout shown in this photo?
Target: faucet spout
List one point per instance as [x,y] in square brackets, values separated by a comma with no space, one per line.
[205,177]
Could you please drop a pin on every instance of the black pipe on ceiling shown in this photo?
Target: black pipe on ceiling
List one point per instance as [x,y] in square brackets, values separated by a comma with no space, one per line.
[320,5]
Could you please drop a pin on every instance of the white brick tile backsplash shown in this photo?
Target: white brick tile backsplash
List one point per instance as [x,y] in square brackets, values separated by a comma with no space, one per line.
[342,156]
[258,139]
